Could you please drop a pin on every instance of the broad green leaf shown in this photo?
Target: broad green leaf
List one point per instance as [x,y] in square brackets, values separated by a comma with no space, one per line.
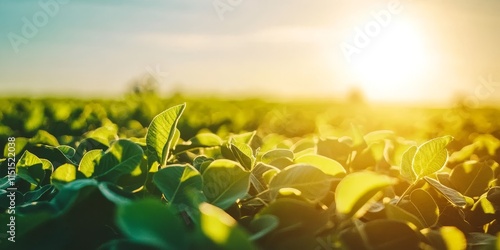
[199,141]
[453,238]
[327,165]
[431,156]
[88,162]
[471,178]
[104,134]
[121,158]
[161,132]
[304,144]
[225,182]
[44,137]
[334,149]
[313,183]
[244,137]
[222,229]
[64,173]
[452,195]
[356,189]
[243,153]
[68,151]
[407,169]
[151,222]
[381,235]
[30,168]
[397,213]
[275,154]
[47,165]
[175,181]
[201,162]
[257,176]
[422,205]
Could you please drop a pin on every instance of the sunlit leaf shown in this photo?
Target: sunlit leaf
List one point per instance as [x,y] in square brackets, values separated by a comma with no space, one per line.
[121,158]
[30,168]
[313,183]
[225,182]
[64,173]
[174,181]
[356,189]
[327,165]
[199,141]
[243,154]
[161,132]
[275,154]
[431,156]
[453,238]
[222,229]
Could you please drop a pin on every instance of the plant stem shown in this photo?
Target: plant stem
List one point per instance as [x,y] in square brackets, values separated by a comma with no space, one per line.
[407,191]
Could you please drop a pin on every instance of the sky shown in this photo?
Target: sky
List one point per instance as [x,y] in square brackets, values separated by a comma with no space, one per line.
[393,51]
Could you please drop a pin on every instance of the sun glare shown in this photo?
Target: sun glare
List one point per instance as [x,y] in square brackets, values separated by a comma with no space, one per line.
[390,67]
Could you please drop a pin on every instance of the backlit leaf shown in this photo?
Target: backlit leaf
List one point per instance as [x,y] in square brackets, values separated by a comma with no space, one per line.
[161,132]
[356,189]
[431,156]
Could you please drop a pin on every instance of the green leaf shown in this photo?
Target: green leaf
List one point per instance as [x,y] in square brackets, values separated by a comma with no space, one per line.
[44,137]
[243,153]
[199,141]
[452,195]
[397,213]
[356,189]
[177,182]
[68,151]
[222,229]
[30,168]
[327,165]
[313,183]
[275,154]
[121,158]
[151,222]
[161,132]
[431,156]
[64,173]
[453,238]
[257,176]
[406,164]
[423,206]
[244,137]
[88,162]
[471,178]
[225,182]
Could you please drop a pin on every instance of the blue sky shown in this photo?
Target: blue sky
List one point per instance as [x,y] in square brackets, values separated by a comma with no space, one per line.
[259,48]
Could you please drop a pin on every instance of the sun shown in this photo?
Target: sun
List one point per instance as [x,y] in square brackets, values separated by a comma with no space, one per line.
[389,69]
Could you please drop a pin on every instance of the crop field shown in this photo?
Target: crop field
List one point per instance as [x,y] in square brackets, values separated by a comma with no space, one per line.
[204,173]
